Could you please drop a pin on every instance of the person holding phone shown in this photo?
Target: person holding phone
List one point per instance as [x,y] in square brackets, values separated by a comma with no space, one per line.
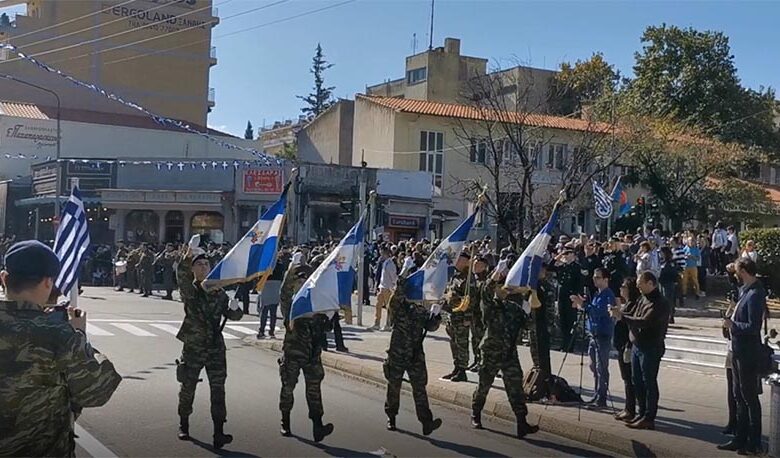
[41,395]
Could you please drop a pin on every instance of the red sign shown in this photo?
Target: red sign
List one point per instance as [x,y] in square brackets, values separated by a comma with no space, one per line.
[409,222]
[263,181]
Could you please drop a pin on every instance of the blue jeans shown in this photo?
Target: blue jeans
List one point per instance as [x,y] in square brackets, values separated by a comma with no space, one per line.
[644,369]
[598,350]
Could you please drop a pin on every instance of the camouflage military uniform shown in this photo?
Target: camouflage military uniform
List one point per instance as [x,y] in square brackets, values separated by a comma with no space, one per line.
[166,260]
[301,349]
[405,354]
[48,373]
[146,271]
[132,269]
[477,331]
[204,346]
[459,323]
[503,320]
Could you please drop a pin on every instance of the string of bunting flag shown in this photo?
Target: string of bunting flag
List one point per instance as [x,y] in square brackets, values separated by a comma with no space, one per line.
[159,165]
[162,120]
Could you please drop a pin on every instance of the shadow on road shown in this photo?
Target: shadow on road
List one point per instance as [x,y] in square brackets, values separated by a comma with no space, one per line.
[461,449]
[567,449]
[219,452]
[330,450]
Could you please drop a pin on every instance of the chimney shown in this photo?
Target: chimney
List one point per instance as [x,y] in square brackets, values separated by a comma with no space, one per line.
[452,46]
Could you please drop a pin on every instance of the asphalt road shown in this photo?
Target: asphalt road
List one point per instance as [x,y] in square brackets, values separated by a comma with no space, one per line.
[137,334]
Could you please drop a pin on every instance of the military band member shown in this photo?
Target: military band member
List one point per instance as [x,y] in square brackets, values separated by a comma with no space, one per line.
[459,322]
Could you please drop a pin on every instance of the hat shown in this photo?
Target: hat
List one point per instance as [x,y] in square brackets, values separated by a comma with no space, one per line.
[32,258]
[464,254]
[199,253]
[563,239]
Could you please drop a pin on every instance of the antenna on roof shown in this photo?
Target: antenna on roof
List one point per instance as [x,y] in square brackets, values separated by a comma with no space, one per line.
[430,43]
[414,43]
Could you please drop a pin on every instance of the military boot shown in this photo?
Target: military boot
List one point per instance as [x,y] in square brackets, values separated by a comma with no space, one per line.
[476,419]
[450,375]
[459,376]
[391,423]
[220,438]
[321,431]
[431,426]
[184,428]
[286,425]
[523,428]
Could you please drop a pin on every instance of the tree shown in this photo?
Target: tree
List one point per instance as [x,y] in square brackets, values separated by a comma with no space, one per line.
[289,151]
[5,21]
[249,133]
[582,83]
[322,97]
[691,77]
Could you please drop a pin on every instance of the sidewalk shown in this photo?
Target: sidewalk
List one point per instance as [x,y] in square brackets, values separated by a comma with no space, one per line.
[691,413]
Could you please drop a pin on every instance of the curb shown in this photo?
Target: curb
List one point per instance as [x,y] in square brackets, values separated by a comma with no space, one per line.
[536,413]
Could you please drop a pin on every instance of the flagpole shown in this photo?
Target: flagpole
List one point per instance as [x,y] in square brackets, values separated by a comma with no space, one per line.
[74,291]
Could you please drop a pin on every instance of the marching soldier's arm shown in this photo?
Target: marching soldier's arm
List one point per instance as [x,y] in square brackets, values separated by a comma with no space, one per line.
[90,376]
[231,314]
[186,279]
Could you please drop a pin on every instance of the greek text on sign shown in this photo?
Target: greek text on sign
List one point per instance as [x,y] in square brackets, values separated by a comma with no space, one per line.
[263,181]
[402,221]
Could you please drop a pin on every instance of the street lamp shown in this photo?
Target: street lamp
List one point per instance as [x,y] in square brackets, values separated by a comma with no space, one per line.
[59,107]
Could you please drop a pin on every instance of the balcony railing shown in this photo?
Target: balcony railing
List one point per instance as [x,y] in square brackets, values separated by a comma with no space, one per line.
[213,52]
[212,97]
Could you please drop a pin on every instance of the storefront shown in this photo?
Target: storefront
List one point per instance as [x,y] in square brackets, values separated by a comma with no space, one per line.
[404,227]
[256,190]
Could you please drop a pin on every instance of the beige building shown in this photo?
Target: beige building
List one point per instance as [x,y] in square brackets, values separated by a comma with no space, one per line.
[280,134]
[156,53]
[328,137]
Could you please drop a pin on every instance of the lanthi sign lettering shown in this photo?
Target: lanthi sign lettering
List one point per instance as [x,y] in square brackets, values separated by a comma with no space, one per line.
[263,181]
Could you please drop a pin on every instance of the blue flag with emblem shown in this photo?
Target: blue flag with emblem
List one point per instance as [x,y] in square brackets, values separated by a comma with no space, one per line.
[71,242]
[524,274]
[254,256]
[330,287]
[430,282]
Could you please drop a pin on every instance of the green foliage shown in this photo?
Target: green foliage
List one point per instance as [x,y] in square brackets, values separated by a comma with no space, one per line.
[584,82]
[322,97]
[768,248]
[289,151]
[249,133]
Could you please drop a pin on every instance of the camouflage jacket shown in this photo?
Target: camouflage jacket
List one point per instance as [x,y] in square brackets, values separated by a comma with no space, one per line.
[133,257]
[121,254]
[409,327]
[503,319]
[203,311]
[303,338]
[48,371]
[456,289]
[146,260]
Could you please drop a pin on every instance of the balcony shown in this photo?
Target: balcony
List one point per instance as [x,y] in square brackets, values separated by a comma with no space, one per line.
[213,55]
[212,97]
[214,16]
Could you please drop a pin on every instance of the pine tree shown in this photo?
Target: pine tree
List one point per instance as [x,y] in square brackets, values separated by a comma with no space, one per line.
[322,97]
[249,133]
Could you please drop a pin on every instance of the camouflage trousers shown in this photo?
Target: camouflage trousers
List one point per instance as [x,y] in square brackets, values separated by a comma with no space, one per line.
[477,333]
[145,280]
[457,328]
[131,277]
[513,382]
[193,359]
[313,373]
[418,378]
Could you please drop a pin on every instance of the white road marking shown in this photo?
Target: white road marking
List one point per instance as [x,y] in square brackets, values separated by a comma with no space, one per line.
[165,327]
[242,329]
[92,445]
[135,330]
[228,336]
[96,331]
[122,320]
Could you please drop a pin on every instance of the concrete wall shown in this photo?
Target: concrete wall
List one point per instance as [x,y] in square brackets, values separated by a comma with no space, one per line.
[328,138]
[374,135]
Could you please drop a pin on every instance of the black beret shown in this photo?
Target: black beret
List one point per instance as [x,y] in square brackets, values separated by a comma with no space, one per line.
[32,258]
[199,257]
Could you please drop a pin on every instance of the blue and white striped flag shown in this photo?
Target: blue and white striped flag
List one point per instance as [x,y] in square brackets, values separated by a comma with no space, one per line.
[602,201]
[330,286]
[71,242]
[254,256]
[429,283]
[524,274]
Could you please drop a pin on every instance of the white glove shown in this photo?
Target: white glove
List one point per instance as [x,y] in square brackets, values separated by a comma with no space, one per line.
[527,307]
[233,304]
[435,309]
[194,242]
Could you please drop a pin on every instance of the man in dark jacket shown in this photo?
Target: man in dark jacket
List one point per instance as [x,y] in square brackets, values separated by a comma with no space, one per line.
[647,326]
[744,326]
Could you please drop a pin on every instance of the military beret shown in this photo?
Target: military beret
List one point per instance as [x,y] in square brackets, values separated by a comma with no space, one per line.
[32,258]
[465,254]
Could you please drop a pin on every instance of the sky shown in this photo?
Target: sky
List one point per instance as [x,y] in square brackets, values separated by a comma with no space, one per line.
[260,72]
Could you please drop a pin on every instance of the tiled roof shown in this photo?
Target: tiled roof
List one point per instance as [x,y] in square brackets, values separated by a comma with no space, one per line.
[451,110]
[21,110]
[33,111]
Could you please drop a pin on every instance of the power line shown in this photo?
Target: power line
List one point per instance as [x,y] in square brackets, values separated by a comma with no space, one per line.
[152,53]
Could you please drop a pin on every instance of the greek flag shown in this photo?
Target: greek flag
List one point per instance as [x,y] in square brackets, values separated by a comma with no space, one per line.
[430,281]
[71,242]
[524,274]
[330,286]
[254,256]
[602,200]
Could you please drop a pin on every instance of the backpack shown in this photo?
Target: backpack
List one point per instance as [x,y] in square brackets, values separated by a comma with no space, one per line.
[534,385]
[561,392]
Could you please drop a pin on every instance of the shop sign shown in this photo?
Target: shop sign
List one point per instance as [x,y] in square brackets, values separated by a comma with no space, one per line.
[79,168]
[405,222]
[263,181]
[37,134]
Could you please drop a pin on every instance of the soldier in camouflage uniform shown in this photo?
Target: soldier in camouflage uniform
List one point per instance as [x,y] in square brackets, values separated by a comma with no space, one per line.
[132,268]
[48,370]
[301,351]
[204,346]
[477,327]
[146,270]
[503,319]
[405,355]
[459,323]
[166,260]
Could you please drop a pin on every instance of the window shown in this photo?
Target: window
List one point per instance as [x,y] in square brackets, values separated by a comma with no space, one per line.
[209,225]
[432,156]
[478,151]
[416,75]
[550,156]
[509,153]
[479,219]
[556,156]
[534,151]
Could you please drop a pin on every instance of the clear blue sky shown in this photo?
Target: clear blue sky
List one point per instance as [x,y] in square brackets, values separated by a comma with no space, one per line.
[260,72]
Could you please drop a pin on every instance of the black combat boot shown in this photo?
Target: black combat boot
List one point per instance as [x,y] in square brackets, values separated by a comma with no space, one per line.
[321,431]
[476,419]
[220,438]
[450,375]
[523,428]
[184,428]
[460,376]
[391,423]
[431,426]
[286,432]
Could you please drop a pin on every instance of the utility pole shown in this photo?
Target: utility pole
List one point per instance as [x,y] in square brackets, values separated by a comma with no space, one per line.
[430,36]
[361,261]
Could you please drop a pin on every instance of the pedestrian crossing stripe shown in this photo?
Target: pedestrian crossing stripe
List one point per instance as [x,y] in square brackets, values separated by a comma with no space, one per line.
[152,328]
[97,331]
[241,329]
[165,327]
[134,330]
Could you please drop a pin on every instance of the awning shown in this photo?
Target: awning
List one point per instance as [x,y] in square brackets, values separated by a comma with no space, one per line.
[49,200]
[445,214]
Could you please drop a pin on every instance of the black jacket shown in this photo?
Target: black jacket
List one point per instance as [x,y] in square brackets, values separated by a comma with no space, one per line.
[648,322]
[748,317]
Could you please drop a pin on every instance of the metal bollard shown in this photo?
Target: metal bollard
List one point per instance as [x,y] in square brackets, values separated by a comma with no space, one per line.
[774,415]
